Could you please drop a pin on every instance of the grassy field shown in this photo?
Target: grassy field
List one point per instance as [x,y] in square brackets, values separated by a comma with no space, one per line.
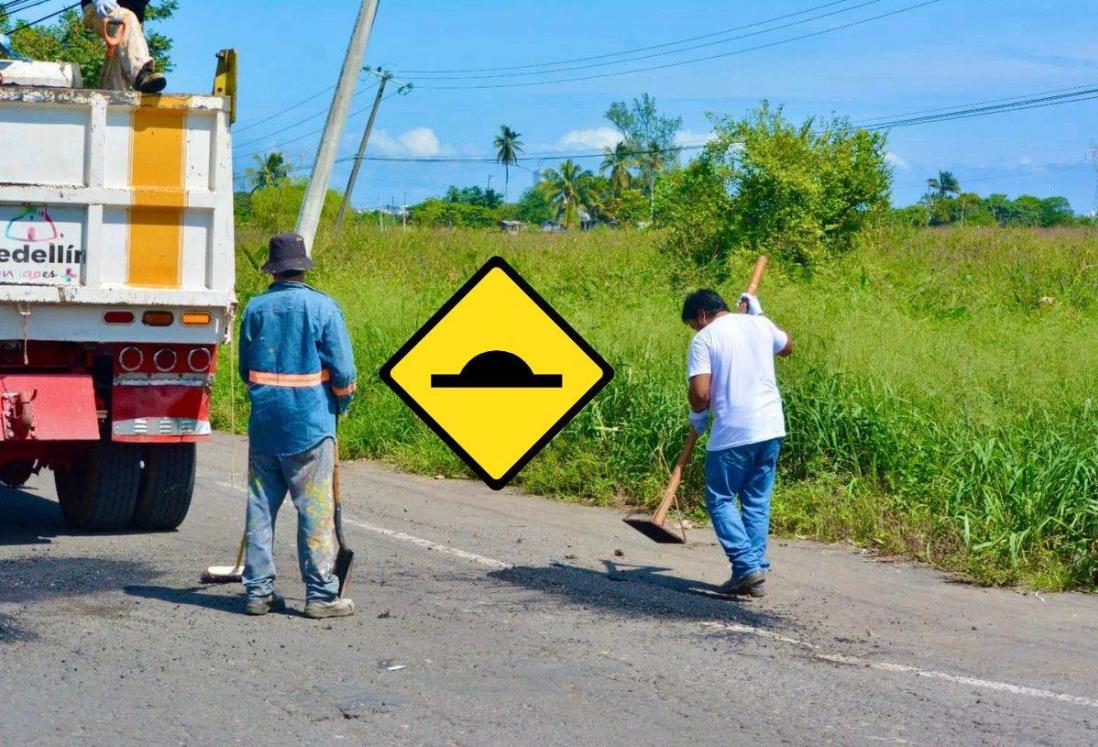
[942,402]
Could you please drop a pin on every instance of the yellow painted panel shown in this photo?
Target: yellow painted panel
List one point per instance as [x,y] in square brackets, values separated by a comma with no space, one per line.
[156,176]
[156,247]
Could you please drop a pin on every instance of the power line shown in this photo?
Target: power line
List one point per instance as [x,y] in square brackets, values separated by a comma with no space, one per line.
[659,54]
[317,131]
[591,58]
[43,19]
[863,122]
[970,113]
[287,110]
[18,6]
[650,68]
[310,118]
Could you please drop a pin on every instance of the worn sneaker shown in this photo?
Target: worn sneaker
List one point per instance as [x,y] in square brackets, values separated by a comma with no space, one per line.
[750,584]
[149,81]
[339,607]
[263,605]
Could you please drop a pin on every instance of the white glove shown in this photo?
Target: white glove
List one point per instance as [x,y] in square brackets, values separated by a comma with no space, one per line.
[754,308]
[105,7]
[699,421]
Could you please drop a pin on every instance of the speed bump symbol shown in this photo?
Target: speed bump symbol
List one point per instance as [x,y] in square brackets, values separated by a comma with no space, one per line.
[496,373]
[497,369]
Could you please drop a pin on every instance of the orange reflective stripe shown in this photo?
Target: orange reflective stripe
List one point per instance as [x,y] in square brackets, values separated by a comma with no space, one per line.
[344,391]
[293,381]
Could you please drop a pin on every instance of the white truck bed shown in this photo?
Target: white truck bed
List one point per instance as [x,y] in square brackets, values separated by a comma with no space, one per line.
[114,200]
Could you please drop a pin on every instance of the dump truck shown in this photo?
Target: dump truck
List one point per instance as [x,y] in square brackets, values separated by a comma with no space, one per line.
[116,287]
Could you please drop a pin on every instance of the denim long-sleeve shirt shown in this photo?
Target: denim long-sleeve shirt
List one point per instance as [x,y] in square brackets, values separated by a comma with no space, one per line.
[296,359]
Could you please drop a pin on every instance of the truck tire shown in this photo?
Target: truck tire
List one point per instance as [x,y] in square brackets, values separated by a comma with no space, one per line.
[98,491]
[16,474]
[167,484]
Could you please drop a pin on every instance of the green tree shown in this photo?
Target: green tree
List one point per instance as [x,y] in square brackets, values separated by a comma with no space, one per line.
[269,171]
[569,188]
[944,184]
[648,135]
[508,146]
[801,193]
[617,161]
[66,40]
[536,206]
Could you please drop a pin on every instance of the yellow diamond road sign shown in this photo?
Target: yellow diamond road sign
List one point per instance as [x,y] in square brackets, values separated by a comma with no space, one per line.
[496,373]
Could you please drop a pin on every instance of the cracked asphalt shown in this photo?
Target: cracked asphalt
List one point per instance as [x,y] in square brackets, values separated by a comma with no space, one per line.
[500,618]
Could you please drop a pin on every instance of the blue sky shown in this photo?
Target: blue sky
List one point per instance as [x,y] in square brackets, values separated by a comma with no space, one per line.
[953,52]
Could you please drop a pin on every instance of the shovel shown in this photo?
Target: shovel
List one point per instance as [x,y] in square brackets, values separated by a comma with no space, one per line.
[653,528]
[345,557]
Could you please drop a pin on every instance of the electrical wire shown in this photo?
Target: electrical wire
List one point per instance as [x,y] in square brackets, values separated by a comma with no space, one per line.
[316,131]
[301,122]
[659,54]
[666,65]
[687,40]
[43,19]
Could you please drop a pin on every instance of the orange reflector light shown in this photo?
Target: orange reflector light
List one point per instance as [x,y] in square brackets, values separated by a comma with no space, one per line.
[196,318]
[158,318]
[118,317]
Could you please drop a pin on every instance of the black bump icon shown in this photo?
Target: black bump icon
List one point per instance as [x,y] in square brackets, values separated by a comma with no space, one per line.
[497,369]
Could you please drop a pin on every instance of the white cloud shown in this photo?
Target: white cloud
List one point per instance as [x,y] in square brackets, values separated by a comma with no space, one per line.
[594,139]
[419,142]
[687,138]
[896,160]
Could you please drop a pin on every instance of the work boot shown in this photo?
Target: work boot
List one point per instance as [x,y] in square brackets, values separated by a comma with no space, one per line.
[338,607]
[263,605]
[750,584]
[149,81]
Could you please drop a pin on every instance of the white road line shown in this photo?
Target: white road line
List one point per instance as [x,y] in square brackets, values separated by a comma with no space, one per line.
[813,651]
[499,565]
[884,666]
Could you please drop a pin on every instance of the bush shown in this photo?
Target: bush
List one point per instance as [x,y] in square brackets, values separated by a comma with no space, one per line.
[798,193]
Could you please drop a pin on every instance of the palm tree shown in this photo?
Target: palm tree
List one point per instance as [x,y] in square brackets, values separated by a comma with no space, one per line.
[617,161]
[269,171]
[508,146]
[568,188]
[945,184]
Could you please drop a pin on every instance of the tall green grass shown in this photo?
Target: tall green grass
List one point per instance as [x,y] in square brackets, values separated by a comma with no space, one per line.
[941,403]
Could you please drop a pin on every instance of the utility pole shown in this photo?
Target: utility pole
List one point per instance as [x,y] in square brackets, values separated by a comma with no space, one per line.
[313,204]
[384,76]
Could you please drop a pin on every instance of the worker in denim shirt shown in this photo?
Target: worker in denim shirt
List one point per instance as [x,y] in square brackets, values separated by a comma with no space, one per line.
[296,358]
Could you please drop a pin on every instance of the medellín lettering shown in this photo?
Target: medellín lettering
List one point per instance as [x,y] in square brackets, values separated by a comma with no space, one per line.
[56,254]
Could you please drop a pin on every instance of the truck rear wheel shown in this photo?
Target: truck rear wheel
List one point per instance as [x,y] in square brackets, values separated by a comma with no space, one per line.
[167,484]
[98,491]
[16,474]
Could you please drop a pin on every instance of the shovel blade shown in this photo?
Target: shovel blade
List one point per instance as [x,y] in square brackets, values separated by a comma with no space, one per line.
[344,560]
[655,532]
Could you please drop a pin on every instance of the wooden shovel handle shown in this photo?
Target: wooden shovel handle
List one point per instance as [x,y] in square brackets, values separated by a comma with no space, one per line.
[676,477]
[756,279]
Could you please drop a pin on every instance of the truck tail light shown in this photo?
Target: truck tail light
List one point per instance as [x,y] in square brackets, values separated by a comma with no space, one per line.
[158,318]
[165,359]
[199,360]
[131,359]
[118,317]
[196,318]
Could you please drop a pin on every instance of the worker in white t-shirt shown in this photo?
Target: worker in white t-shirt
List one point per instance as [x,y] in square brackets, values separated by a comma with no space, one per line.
[730,370]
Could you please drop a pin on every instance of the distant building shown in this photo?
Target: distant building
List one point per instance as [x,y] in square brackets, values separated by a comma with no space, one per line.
[510,226]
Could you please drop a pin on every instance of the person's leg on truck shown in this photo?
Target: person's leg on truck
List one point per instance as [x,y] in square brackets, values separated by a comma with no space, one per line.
[133,66]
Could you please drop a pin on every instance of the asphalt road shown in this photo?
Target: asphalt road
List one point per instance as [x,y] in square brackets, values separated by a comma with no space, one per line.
[489,618]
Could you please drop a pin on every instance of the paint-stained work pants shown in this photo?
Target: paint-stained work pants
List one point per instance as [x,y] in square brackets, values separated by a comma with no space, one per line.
[131,56]
[308,479]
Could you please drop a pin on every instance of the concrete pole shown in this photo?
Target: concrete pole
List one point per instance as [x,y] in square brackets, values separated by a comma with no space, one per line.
[311,207]
[361,151]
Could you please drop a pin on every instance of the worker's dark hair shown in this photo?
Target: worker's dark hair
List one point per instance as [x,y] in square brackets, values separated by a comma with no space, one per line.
[290,274]
[702,299]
